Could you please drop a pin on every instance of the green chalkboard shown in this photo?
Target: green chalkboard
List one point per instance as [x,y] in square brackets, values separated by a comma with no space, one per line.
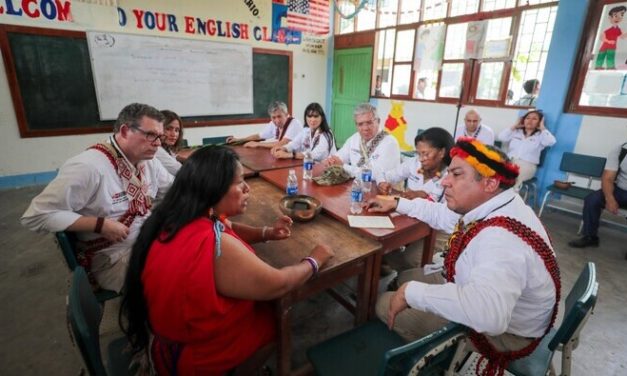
[52,86]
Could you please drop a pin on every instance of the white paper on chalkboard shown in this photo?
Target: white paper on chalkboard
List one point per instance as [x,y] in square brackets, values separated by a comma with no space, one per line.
[189,77]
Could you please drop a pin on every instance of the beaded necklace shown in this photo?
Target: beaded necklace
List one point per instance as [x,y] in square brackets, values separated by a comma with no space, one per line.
[497,361]
[475,134]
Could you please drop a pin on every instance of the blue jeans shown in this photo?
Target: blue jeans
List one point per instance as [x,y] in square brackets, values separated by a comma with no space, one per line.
[594,204]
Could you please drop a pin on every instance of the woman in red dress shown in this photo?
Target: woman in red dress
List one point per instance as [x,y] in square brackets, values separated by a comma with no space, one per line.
[196,294]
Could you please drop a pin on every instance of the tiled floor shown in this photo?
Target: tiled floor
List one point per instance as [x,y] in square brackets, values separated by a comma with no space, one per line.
[33,284]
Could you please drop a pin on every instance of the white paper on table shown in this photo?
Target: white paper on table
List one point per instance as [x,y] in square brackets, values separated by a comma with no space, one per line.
[370,221]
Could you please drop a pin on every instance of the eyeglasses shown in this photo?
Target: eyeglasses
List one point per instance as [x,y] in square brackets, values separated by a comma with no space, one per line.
[150,136]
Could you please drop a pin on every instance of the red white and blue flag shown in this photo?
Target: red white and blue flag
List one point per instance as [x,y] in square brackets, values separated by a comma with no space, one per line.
[309,16]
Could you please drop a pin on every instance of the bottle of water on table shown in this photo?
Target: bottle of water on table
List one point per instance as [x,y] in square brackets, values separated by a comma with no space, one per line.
[307,165]
[356,196]
[292,183]
[366,177]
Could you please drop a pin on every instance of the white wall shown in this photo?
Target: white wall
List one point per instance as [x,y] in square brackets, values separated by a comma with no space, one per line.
[41,154]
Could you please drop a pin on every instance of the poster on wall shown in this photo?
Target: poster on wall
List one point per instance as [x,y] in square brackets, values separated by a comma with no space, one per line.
[429,47]
[610,48]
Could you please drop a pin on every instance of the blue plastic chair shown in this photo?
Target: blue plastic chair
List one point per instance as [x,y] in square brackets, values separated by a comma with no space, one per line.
[66,240]
[579,165]
[84,314]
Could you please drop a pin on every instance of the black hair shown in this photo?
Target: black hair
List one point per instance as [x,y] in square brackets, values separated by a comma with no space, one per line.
[621,8]
[199,185]
[438,138]
[316,108]
[530,85]
[540,117]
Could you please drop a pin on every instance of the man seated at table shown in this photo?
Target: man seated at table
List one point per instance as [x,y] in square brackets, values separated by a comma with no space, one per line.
[502,278]
[370,145]
[281,129]
[105,193]
[474,127]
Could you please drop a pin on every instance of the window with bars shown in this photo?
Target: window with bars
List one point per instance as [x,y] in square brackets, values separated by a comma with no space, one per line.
[482,51]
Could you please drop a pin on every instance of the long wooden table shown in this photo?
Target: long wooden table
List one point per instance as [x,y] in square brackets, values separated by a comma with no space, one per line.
[335,202]
[260,159]
[354,256]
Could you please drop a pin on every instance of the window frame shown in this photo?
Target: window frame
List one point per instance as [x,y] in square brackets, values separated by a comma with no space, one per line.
[472,67]
[580,69]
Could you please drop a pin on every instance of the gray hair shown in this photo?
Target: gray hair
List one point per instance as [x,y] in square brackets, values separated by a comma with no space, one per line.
[133,113]
[365,108]
[277,106]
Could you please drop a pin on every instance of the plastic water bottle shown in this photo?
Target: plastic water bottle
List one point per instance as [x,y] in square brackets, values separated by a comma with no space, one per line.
[366,177]
[307,166]
[292,183]
[356,196]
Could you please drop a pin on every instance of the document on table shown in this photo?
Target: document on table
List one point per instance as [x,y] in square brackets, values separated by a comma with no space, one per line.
[370,221]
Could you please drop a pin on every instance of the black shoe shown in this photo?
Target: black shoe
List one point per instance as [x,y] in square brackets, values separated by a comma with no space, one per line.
[585,241]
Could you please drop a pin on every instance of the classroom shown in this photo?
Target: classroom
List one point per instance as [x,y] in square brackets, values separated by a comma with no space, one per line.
[70,66]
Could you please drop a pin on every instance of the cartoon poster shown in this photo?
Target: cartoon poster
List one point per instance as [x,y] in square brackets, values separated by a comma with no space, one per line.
[611,41]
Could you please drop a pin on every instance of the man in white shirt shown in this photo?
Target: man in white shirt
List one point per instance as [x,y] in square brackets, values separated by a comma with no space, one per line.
[502,277]
[474,127]
[105,193]
[281,129]
[370,145]
[611,196]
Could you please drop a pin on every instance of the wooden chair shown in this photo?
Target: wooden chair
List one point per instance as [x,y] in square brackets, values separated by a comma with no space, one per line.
[66,240]
[84,314]
[575,164]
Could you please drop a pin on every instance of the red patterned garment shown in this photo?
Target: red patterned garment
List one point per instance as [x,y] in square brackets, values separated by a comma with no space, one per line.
[213,333]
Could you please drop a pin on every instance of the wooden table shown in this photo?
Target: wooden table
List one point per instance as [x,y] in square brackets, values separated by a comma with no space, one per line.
[335,202]
[354,256]
[260,159]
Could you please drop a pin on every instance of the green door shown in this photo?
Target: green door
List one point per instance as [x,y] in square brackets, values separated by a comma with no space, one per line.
[351,86]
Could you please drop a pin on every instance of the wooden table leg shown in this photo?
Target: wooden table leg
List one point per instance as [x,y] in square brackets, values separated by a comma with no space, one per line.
[364,286]
[284,354]
[428,248]
[374,286]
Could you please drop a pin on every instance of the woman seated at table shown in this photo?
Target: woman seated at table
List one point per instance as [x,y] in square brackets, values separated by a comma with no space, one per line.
[424,174]
[527,138]
[425,171]
[316,138]
[171,142]
[195,281]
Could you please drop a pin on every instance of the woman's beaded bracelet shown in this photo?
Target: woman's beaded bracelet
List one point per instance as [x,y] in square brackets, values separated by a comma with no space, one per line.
[263,233]
[314,264]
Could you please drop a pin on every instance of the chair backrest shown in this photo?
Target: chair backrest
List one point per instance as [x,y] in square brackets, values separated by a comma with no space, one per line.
[84,314]
[67,243]
[429,355]
[214,140]
[582,164]
[579,304]
[184,143]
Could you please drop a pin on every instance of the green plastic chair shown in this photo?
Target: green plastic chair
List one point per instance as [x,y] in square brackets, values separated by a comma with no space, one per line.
[580,303]
[373,349]
[84,314]
[214,140]
[66,240]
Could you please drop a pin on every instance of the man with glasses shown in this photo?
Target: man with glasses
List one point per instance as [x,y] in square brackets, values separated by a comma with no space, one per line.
[105,193]
[474,127]
[369,146]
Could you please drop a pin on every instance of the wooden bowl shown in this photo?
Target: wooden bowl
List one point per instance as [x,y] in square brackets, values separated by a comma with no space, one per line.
[563,184]
[300,208]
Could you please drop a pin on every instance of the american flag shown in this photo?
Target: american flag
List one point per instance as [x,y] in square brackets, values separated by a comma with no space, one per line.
[310,16]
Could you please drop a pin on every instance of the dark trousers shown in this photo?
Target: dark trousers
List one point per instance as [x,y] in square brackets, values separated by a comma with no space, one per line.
[594,204]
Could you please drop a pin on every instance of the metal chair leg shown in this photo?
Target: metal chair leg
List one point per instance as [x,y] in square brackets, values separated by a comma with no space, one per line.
[546,197]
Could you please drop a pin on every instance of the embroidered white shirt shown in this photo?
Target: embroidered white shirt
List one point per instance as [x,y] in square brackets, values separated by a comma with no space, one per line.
[293,130]
[408,170]
[501,284]
[483,133]
[386,156]
[319,152]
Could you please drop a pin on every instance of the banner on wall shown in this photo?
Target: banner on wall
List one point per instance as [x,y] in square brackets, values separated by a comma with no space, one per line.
[273,21]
